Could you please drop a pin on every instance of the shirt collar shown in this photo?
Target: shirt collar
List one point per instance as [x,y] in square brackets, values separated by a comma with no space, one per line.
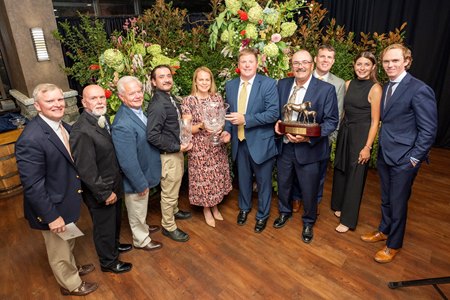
[324,77]
[53,124]
[305,85]
[400,77]
[250,81]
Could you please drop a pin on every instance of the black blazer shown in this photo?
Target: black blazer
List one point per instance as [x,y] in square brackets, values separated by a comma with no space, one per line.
[95,159]
[50,181]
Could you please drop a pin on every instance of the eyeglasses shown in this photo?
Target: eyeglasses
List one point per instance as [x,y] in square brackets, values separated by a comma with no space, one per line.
[301,63]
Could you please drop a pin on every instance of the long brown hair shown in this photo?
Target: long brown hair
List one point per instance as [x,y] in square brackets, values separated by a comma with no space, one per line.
[368,55]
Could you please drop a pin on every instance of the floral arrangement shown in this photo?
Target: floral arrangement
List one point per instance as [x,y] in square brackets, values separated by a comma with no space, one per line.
[130,55]
[244,23]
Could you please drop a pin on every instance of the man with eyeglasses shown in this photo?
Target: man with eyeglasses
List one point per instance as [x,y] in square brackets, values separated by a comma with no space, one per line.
[324,61]
[302,155]
[163,132]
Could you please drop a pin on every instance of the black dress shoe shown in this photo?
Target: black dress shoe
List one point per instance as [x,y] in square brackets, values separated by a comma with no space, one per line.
[307,234]
[281,220]
[153,228]
[177,235]
[119,267]
[183,215]
[125,247]
[153,245]
[260,225]
[242,217]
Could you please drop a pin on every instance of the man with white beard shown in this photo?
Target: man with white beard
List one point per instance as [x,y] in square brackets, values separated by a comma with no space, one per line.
[95,159]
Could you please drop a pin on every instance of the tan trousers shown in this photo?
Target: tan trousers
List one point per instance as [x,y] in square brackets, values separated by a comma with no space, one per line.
[171,176]
[61,260]
[137,214]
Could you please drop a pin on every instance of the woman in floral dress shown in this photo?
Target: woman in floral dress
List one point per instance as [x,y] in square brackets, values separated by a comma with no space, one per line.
[209,171]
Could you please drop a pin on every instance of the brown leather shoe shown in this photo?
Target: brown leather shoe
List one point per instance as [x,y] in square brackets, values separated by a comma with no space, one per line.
[373,237]
[153,228]
[84,289]
[85,269]
[295,205]
[153,245]
[385,255]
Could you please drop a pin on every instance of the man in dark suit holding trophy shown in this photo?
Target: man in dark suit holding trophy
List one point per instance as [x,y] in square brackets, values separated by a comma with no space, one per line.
[302,154]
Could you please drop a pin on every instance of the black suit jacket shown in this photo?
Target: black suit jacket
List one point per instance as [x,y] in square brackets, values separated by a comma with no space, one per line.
[49,178]
[95,159]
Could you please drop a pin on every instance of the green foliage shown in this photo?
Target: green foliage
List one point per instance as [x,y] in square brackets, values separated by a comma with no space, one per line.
[85,43]
[164,25]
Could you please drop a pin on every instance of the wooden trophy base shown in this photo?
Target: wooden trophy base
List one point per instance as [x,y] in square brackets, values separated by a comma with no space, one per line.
[311,130]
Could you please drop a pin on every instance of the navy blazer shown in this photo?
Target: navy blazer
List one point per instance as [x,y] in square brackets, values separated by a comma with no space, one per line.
[140,162]
[409,122]
[49,179]
[322,96]
[260,117]
[95,159]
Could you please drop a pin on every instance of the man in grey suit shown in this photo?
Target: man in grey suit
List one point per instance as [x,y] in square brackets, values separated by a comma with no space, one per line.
[324,61]
[138,160]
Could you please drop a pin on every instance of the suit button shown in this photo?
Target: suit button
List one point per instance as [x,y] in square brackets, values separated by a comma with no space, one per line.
[78,176]
[79,191]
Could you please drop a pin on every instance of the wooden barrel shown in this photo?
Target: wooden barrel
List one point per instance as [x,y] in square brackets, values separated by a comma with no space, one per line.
[9,175]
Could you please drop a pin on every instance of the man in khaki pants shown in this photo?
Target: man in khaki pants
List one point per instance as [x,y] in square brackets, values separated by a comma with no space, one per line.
[139,161]
[163,132]
[51,186]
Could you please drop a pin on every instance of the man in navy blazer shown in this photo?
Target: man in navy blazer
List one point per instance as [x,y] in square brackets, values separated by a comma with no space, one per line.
[302,155]
[409,125]
[139,161]
[252,136]
[52,188]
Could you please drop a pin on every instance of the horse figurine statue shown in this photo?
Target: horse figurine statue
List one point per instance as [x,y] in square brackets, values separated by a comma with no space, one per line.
[289,108]
[307,114]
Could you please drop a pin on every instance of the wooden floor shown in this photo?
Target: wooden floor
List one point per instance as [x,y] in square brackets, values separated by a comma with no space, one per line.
[232,262]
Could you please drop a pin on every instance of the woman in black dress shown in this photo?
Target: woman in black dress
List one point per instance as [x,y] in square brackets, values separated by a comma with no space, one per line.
[356,135]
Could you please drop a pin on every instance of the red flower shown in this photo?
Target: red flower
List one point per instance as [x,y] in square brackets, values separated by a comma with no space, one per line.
[243,15]
[108,94]
[176,67]
[265,70]
[260,22]
[290,74]
[94,67]
[237,70]
[242,32]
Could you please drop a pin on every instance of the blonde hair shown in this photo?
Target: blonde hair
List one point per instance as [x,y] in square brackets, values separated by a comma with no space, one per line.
[44,88]
[212,89]
[407,55]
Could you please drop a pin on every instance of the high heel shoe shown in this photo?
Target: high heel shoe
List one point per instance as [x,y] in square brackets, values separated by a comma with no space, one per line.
[208,217]
[216,213]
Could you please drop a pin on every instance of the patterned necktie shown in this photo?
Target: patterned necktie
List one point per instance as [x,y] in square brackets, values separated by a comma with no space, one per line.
[242,103]
[176,107]
[294,94]
[389,93]
[65,137]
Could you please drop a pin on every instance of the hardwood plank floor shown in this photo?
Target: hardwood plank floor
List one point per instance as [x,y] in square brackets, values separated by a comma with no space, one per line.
[232,262]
